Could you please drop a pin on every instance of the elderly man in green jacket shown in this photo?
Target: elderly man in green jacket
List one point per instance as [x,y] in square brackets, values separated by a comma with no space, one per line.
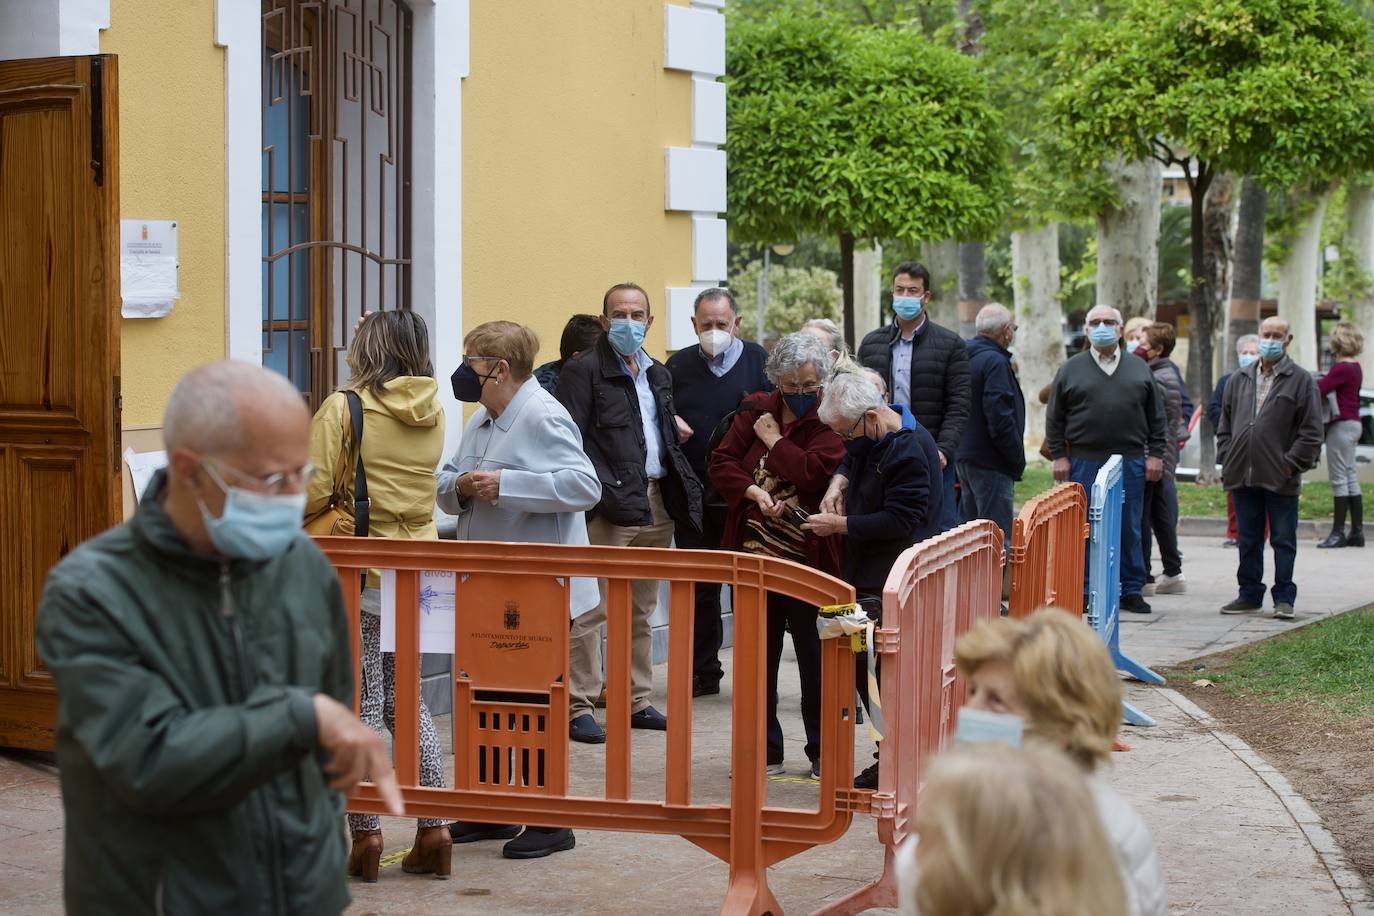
[201,654]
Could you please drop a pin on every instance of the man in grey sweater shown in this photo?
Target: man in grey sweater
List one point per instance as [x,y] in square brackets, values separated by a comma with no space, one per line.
[1104,402]
[1270,432]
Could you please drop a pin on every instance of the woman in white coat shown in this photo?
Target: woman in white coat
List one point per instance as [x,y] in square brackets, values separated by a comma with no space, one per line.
[520,474]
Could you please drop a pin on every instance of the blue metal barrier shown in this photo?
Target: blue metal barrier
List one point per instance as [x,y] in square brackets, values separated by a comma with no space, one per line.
[1104,576]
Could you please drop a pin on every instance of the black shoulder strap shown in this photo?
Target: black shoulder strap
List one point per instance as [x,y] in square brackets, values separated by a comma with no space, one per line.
[362,506]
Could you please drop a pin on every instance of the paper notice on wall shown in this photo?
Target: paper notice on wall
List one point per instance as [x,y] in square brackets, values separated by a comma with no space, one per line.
[438,599]
[142,466]
[148,267]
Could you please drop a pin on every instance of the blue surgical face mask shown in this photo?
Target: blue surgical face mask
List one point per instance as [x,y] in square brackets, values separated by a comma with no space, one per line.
[1270,350]
[253,526]
[978,726]
[1102,335]
[906,307]
[627,335]
[1246,360]
[800,403]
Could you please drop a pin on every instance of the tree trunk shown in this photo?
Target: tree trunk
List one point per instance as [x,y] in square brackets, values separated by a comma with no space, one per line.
[1218,208]
[847,282]
[942,260]
[1359,234]
[868,289]
[973,285]
[1128,239]
[1298,277]
[1248,275]
[1039,319]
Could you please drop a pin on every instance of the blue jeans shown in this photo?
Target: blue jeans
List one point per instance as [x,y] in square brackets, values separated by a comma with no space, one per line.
[1253,506]
[985,493]
[949,512]
[1084,472]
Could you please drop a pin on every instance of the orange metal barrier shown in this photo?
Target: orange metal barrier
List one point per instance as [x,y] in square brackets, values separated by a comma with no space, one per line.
[1048,552]
[511,702]
[936,591]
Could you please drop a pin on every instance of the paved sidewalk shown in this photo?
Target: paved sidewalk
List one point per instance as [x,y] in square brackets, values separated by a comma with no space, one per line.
[1229,844]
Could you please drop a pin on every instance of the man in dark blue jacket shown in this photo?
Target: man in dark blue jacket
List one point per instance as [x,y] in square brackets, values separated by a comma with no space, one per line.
[886,496]
[992,454]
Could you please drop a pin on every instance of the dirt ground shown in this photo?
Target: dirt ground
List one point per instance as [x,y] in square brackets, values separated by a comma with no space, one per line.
[1324,754]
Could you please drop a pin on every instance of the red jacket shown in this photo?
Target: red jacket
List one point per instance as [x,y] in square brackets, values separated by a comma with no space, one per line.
[806,456]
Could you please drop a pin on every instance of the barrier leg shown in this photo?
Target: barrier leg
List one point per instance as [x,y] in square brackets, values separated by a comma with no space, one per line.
[880,894]
[1135,669]
[1134,716]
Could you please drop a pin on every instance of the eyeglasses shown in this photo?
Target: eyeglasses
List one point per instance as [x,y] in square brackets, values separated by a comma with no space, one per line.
[810,389]
[469,360]
[1109,322]
[272,484]
[863,418]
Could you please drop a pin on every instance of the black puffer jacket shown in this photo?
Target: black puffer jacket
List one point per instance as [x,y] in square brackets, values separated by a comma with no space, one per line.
[940,393]
[600,396]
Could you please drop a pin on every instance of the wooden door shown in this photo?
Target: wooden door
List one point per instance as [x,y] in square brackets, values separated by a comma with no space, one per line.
[59,350]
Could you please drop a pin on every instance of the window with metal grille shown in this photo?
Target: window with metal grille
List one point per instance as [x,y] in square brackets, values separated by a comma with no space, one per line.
[335,179]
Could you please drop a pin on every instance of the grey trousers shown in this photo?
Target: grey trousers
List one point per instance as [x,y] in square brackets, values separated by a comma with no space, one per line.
[1341,438]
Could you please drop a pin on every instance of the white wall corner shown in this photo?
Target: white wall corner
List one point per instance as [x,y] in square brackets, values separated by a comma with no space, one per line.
[708,111]
[238,29]
[694,40]
[80,23]
[681,300]
[708,249]
[695,179]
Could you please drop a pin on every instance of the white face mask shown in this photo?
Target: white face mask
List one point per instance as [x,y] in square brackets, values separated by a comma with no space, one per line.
[714,342]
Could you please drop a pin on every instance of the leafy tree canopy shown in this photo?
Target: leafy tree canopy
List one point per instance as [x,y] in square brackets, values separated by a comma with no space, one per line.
[872,132]
[1281,89]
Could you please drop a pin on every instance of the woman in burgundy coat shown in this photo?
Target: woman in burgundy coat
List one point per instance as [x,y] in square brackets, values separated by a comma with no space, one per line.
[772,468]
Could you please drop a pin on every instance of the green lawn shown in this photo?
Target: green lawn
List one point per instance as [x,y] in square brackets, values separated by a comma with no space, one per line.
[1326,661]
[1314,503]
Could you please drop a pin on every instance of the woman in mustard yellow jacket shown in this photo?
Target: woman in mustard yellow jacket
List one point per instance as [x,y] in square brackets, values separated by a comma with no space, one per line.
[402,442]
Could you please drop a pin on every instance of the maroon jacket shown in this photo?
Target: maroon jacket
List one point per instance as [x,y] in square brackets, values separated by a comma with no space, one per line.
[806,456]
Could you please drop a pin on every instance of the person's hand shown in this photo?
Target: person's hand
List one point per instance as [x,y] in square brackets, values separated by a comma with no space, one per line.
[484,484]
[1061,470]
[1154,469]
[776,509]
[684,432]
[824,524]
[943,460]
[354,751]
[832,502]
[760,496]
[767,429]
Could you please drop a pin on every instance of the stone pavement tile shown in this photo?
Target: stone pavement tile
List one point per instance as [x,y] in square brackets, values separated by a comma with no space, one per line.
[1228,845]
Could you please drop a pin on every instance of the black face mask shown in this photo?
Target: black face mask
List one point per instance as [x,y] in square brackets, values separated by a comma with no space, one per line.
[467,384]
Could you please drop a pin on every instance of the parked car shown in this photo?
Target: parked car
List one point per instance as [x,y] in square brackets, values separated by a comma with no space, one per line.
[1364,451]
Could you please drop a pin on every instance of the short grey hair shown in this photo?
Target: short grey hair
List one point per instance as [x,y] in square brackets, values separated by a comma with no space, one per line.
[1099,307]
[830,328]
[203,412]
[1246,340]
[849,396]
[711,295]
[797,350]
[993,319]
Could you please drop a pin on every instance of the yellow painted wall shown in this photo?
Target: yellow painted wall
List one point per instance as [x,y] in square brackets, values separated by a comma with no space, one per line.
[171,166]
[566,114]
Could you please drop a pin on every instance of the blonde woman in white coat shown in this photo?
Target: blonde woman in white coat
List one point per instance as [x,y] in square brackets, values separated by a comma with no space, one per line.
[519,475]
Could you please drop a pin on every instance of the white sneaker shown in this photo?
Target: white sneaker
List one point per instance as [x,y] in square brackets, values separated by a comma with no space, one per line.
[1171,585]
[775,769]
[1147,589]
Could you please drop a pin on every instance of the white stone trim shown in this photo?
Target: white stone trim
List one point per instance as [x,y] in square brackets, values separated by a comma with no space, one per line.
[694,40]
[708,249]
[49,28]
[708,112]
[238,29]
[695,179]
[681,333]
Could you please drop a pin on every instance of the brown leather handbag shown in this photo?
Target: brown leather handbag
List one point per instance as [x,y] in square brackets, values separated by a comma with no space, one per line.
[335,519]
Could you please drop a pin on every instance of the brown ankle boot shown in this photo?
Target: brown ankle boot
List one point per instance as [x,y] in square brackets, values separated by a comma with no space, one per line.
[432,853]
[365,859]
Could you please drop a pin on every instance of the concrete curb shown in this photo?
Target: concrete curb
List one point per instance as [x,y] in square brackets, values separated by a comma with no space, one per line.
[1206,526]
[1354,892]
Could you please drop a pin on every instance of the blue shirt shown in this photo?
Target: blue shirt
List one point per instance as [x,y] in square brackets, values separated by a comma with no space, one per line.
[724,361]
[648,414]
[901,363]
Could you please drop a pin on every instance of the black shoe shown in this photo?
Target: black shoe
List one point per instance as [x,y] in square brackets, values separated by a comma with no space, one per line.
[868,779]
[649,718]
[474,832]
[1335,539]
[1134,604]
[705,686]
[585,729]
[1355,538]
[1239,606]
[537,842]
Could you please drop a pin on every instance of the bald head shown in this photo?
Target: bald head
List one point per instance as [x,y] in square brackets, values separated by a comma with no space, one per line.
[228,407]
[1274,327]
[1275,337]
